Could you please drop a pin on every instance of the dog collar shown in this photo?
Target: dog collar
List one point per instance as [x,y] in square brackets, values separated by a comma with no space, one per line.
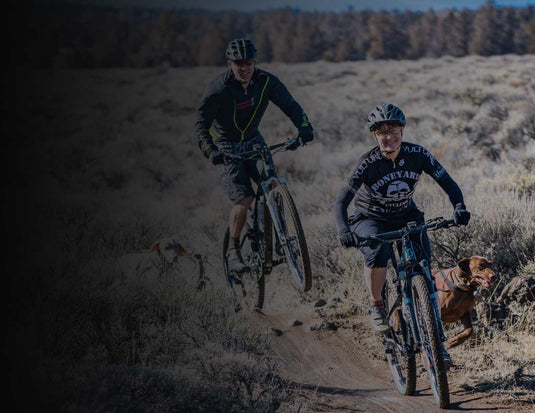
[453,286]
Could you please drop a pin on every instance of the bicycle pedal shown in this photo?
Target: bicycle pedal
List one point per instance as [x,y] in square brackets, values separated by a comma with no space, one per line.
[388,350]
[388,345]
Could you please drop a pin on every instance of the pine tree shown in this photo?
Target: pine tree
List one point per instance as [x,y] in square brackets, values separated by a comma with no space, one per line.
[486,37]
[387,40]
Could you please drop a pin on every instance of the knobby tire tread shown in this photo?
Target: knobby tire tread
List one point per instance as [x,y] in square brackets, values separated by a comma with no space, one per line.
[406,385]
[268,241]
[288,201]
[429,315]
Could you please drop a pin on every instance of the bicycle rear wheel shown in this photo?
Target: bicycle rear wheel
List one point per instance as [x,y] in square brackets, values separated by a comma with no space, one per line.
[292,239]
[246,290]
[431,347]
[398,343]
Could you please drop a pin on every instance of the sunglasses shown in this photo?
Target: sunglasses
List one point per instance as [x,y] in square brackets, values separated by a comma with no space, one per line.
[246,62]
[383,133]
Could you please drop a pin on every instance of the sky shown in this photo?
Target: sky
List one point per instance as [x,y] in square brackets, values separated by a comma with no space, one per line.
[309,5]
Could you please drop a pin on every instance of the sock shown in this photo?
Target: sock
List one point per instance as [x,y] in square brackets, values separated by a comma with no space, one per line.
[235,243]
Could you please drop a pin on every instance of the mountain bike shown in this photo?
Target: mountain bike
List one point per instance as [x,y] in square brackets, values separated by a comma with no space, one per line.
[412,312]
[272,236]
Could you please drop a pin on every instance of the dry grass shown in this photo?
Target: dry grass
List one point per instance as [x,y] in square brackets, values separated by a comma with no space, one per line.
[104,162]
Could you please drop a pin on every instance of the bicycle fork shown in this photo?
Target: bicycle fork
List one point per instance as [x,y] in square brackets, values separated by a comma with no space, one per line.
[407,305]
[434,301]
[277,224]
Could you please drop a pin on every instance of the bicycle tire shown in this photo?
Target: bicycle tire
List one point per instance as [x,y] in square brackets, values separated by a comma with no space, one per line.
[400,355]
[249,291]
[296,250]
[267,243]
[431,348]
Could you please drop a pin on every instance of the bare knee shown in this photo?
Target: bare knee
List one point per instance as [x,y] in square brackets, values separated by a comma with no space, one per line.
[238,215]
[375,279]
[245,202]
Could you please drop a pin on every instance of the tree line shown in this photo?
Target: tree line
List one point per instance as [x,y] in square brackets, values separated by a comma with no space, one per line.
[70,35]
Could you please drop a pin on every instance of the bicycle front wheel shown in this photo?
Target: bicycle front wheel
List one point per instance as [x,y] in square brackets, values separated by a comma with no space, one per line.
[431,345]
[398,343]
[292,237]
[246,290]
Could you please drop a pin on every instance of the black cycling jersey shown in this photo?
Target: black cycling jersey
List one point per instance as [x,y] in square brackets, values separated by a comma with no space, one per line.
[230,113]
[383,189]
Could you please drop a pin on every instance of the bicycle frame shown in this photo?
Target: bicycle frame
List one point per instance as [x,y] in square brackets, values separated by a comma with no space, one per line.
[405,269]
[280,213]
[270,181]
[417,327]
[406,265]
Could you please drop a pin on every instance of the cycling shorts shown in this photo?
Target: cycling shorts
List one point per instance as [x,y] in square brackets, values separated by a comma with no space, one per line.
[378,257]
[237,173]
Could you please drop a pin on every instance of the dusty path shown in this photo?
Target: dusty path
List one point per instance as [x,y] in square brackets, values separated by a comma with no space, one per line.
[330,372]
[342,370]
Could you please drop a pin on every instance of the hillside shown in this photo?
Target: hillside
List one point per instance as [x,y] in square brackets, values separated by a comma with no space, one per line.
[103,163]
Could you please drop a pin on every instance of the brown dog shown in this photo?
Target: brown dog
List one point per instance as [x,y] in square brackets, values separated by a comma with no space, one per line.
[457,292]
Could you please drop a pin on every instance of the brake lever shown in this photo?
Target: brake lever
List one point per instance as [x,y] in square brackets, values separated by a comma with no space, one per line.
[291,142]
[446,224]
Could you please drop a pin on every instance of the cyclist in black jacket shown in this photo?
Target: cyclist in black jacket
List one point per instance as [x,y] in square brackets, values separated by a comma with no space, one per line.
[382,184]
[231,109]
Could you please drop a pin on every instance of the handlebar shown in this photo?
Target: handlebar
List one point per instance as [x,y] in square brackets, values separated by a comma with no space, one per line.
[282,146]
[410,228]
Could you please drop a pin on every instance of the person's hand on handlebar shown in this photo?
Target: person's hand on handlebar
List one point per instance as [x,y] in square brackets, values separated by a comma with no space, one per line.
[305,136]
[348,239]
[216,157]
[460,215]
[373,244]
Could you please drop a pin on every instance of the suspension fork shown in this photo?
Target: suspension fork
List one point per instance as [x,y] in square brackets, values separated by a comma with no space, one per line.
[408,304]
[407,256]
[424,264]
[403,297]
[272,207]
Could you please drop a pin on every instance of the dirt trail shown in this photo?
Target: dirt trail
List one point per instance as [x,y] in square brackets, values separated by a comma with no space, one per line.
[343,370]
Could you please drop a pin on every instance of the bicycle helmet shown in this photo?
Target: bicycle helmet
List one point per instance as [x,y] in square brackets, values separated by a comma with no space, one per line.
[385,112]
[240,49]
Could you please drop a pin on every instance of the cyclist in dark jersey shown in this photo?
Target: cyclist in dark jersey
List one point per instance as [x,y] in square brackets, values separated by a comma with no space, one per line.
[231,109]
[382,184]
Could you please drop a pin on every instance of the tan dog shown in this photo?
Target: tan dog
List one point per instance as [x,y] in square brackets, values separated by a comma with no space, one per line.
[168,251]
[457,292]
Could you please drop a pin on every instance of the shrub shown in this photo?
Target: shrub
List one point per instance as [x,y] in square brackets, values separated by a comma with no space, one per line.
[115,338]
[501,228]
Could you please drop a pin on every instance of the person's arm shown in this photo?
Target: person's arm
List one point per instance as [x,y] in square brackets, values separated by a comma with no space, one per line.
[451,188]
[281,97]
[446,182]
[433,168]
[206,113]
[343,199]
